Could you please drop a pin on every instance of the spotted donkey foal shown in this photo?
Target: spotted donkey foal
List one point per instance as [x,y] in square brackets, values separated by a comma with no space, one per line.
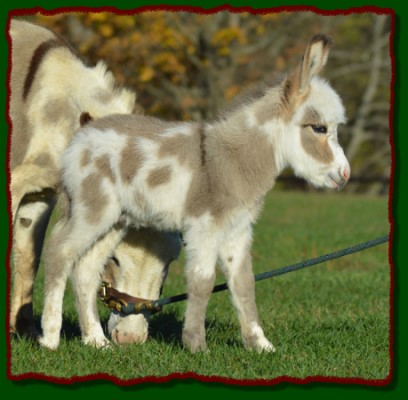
[205,179]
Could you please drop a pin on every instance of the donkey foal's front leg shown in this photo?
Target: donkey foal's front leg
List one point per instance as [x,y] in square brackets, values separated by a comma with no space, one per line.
[236,261]
[199,291]
[200,283]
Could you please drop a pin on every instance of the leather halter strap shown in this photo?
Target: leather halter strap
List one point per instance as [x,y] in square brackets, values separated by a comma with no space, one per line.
[124,303]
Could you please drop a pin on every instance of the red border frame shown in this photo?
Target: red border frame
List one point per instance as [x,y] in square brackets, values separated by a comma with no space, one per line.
[192,375]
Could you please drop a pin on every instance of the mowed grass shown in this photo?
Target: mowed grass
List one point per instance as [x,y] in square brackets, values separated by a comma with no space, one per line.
[330,320]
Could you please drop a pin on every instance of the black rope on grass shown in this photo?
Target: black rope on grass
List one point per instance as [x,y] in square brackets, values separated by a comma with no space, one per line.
[289,268]
[156,305]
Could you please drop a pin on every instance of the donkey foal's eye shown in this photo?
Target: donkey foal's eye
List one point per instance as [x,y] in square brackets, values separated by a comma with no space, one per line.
[319,128]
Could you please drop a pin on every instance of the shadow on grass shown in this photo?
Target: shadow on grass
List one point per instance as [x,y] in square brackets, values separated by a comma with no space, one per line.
[163,328]
[70,330]
[166,328]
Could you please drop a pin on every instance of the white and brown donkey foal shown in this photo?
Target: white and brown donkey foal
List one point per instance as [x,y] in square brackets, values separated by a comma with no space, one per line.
[207,180]
[51,92]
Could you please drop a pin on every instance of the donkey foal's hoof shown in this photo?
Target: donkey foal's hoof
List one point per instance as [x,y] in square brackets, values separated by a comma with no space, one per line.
[98,343]
[266,346]
[48,343]
[260,345]
[195,343]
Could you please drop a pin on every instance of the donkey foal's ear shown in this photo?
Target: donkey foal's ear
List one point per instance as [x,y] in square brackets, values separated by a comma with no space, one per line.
[314,59]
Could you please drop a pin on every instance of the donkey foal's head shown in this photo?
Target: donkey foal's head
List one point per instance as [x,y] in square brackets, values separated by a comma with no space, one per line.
[312,112]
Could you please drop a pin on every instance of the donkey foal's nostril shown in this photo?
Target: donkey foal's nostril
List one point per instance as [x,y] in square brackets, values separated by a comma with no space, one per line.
[346,174]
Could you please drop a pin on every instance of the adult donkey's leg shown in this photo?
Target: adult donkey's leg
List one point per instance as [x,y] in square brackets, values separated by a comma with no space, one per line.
[29,232]
[30,178]
[236,261]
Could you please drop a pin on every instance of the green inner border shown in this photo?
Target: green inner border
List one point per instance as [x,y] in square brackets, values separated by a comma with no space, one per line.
[183,388]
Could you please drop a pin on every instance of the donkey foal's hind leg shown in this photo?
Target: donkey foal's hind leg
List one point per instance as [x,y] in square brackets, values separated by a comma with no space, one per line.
[58,261]
[86,280]
[67,244]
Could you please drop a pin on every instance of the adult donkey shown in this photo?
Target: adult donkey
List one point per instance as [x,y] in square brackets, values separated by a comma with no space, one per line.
[213,177]
[52,92]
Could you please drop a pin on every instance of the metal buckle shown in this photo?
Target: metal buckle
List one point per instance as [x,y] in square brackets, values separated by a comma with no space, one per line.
[111,302]
[102,291]
[147,305]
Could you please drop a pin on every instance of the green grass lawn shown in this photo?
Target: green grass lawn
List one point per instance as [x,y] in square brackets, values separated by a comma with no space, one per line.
[329,320]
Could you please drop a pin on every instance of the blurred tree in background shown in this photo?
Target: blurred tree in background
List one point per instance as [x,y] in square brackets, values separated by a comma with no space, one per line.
[189,66]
